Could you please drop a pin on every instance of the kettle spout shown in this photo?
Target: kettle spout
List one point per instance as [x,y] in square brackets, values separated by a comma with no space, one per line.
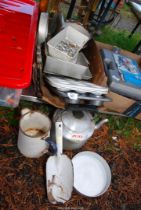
[97,126]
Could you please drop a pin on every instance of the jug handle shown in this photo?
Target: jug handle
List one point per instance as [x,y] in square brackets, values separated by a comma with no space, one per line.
[52,146]
[98,125]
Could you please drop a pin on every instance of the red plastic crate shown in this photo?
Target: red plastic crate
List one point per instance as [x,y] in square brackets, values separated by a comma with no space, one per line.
[18,26]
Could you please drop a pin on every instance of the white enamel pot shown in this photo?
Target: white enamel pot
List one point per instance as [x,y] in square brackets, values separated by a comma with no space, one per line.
[34,132]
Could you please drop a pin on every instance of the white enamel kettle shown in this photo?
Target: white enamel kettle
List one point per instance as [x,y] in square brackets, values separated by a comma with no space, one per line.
[78,127]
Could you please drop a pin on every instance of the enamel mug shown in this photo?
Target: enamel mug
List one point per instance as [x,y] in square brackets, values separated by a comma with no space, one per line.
[34,132]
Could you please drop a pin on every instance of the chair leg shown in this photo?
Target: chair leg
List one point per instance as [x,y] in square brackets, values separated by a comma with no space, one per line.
[135,28]
[71,8]
[133,110]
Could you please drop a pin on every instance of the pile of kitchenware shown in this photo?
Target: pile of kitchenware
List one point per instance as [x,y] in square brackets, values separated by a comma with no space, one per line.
[67,74]
[66,71]
[87,172]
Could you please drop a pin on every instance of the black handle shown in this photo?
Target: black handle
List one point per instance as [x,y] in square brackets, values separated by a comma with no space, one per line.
[52,146]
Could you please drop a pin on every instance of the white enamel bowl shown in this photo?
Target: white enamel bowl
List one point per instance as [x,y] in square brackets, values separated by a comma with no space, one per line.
[92,174]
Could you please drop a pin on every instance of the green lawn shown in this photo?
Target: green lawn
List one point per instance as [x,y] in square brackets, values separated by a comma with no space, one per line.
[126,11]
[119,38]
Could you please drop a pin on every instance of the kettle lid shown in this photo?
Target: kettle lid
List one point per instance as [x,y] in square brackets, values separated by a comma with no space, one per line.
[77,121]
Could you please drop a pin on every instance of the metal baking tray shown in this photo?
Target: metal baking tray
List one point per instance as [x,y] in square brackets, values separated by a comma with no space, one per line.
[77,70]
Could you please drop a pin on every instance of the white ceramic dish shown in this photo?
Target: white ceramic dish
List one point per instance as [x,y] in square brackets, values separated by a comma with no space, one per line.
[92,175]
[68,34]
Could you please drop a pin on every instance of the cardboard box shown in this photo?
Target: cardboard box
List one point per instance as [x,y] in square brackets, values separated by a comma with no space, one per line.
[119,103]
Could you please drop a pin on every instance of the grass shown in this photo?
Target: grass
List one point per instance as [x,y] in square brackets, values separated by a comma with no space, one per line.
[126,8]
[123,127]
[126,11]
[118,38]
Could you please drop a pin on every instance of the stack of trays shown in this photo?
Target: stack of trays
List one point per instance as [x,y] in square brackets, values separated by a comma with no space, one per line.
[77,70]
[66,85]
[65,58]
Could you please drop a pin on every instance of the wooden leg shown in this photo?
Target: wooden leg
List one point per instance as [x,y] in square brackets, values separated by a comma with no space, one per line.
[88,12]
[81,9]
[43,5]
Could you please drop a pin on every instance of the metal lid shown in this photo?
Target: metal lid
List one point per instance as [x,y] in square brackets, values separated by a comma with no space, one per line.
[78,121]
[18,22]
